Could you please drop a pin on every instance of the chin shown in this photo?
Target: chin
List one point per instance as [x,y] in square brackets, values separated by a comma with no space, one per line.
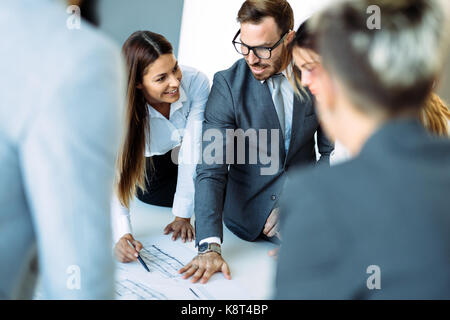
[263,76]
[172,99]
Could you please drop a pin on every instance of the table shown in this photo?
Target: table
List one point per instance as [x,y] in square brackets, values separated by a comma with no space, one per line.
[249,262]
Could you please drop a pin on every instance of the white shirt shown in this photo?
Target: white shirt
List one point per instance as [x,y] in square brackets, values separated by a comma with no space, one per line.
[184,129]
[288,101]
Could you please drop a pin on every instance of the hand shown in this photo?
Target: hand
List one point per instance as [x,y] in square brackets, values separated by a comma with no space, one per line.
[272,226]
[124,252]
[203,266]
[182,227]
[274,253]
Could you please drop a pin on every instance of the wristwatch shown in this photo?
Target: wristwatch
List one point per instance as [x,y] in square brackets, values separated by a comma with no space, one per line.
[209,247]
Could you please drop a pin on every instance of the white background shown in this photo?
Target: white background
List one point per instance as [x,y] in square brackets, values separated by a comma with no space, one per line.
[208,26]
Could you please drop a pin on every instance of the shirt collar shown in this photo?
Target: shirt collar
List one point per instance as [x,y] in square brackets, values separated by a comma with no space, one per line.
[153,113]
[285,72]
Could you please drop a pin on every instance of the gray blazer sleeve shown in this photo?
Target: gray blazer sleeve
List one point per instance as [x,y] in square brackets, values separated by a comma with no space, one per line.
[311,247]
[212,172]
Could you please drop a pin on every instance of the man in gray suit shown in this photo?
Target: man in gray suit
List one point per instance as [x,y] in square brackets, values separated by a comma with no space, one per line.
[60,117]
[383,231]
[252,98]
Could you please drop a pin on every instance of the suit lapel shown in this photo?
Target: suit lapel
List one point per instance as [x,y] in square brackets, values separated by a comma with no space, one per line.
[298,117]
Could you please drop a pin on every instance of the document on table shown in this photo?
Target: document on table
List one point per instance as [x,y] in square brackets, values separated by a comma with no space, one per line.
[165,257]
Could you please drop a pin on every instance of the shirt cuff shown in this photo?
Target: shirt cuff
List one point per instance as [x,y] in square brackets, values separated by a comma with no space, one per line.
[122,226]
[210,240]
[182,207]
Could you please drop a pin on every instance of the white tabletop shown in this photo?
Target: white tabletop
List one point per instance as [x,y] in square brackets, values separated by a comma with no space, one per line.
[249,262]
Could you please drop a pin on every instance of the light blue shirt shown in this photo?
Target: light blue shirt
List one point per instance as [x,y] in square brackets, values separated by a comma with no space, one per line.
[61,111]
[288,101]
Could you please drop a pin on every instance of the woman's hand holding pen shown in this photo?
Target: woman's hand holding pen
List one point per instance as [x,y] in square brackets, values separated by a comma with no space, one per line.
[126,253]
[182,227]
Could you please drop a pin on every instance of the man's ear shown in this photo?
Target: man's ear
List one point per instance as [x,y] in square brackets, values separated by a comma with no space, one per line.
[290,37]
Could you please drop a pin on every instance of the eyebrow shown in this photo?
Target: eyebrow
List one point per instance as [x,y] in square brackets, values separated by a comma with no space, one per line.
[265,44]
[307,64]
[163,74]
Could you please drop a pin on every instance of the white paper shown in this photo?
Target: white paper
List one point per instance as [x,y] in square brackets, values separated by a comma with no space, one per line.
[164,257]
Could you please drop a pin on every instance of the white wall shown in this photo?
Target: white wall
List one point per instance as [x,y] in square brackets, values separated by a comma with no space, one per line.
[208,26]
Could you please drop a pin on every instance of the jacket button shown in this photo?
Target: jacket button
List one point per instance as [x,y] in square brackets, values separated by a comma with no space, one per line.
[273,197]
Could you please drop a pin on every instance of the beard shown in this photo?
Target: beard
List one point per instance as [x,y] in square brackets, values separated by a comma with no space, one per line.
[271,68]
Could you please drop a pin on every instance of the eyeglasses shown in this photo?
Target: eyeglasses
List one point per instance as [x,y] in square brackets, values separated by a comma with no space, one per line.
[260,52]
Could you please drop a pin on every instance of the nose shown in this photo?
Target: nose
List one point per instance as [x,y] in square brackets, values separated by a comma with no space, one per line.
[174,81]
[306,79]
[252,58]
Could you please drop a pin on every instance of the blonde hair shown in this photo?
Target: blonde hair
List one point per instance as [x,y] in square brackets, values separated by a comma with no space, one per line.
[435,115]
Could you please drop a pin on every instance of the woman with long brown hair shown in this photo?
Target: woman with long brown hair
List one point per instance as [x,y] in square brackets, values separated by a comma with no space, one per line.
[164,116]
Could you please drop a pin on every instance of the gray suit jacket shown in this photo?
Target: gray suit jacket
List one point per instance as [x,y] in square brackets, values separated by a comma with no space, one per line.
[244,195]
[388,207]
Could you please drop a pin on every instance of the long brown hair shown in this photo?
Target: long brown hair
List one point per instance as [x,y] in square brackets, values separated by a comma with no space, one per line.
[140,50]
[435,116]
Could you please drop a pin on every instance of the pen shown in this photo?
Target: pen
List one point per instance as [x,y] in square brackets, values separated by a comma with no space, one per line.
[139,258]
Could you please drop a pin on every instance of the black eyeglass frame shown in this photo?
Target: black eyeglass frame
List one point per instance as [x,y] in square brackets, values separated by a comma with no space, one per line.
[250,48]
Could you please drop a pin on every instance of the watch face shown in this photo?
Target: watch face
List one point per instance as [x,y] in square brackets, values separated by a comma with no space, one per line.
[203,247]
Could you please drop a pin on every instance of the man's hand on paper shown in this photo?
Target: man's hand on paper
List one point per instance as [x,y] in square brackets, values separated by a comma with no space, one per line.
[182,227]
[124,252]
[203,266]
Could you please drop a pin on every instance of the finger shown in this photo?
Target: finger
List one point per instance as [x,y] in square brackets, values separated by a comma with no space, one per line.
[175,234]
[167,229]
[193,233]
[137,245]
[208,274]
[198,274]
[272,231]
[268,226]
[119,255]
[226,271]
[128,252]
[129,237]
[183,234]
[121,258]
[190,236]
[193,269]
[186,267]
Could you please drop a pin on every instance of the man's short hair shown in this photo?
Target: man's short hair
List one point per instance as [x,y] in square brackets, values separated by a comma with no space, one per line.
[254,11]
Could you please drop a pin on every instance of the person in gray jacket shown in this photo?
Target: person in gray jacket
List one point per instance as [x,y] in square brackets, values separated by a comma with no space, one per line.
[256,126]
[61,104]
[383,230]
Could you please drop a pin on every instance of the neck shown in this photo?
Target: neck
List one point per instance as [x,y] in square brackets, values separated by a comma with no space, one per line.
[162,107]
[358,128]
